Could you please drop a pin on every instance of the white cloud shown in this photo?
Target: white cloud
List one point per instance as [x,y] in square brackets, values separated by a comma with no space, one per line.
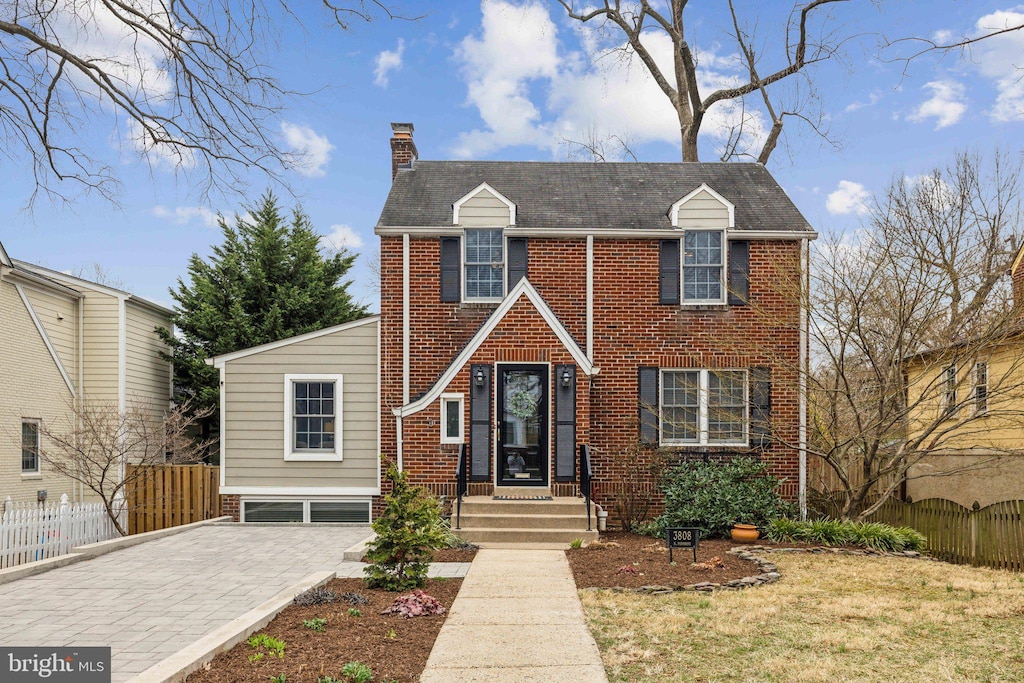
[310,153]
[341,236]
[549,93]
[946,105]
[849,197]
[1000,59]
[181,215]
[387,61]
[873,99]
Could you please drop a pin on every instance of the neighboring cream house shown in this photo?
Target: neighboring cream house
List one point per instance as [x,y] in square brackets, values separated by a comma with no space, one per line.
[299,426]
[64,340]
[981,459]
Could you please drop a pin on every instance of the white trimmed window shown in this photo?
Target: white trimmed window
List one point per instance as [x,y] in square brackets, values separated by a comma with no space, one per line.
[949,379]
[312,417]
[452,427]
[703,267]
[483,260]
[980,387]
[704,407]
[29,446]
[299,511]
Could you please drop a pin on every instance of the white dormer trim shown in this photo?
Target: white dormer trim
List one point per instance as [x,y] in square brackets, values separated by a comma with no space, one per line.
[484,186]
[523,288]
[674,211]
[5,260]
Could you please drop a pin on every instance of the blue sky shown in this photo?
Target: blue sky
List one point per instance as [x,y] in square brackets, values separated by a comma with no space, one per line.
[514,80]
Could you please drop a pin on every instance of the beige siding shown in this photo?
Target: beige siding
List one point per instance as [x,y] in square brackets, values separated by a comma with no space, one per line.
[255,403]
[484,210]
[58,315]
[703,211]
[30,387]
[101,314]
[148,378]
[968,478]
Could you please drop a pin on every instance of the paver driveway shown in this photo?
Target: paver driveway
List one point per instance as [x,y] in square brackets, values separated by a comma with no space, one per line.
[149,601]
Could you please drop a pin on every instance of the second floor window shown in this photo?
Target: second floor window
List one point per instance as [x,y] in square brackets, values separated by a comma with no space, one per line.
[703,266]
[484,264]
[980,387]
[950,388]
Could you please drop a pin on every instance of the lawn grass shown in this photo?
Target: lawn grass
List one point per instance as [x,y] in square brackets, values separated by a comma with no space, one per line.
[831,618]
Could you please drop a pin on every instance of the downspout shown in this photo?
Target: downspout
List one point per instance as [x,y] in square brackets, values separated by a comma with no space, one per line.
[590,298]
[79,401]
[804,360]
[406,317]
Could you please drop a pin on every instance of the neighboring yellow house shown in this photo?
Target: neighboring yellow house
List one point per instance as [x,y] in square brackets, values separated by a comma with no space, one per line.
[62,340]
[975,394]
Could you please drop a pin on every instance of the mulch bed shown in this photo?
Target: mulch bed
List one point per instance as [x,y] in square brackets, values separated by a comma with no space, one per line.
[395,648]
[604,566]
[448,555]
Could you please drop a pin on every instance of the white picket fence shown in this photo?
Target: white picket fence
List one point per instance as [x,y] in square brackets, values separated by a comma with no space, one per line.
[30,532]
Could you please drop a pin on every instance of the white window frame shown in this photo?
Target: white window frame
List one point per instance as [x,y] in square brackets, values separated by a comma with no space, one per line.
[949,382]
[319,455]
[461,436]
[978,366]
[464,264]
[306,508]
[39,442]
[703,406]
[723,274]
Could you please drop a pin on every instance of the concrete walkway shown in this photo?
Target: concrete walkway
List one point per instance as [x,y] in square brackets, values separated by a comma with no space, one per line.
[149,601]
[517,618]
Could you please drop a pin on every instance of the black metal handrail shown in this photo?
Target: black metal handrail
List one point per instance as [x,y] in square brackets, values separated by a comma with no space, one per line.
[462,483]
[586,474]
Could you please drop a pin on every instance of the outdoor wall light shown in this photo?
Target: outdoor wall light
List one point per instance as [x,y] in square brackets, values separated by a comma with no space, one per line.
[478,379]
[566,378]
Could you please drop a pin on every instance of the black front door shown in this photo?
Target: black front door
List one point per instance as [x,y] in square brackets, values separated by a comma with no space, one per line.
[522,425]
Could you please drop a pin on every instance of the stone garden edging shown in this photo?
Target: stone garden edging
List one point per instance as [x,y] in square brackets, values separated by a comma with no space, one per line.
[767,571]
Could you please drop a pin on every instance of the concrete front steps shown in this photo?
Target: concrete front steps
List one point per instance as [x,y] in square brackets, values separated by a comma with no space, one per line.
[507,523]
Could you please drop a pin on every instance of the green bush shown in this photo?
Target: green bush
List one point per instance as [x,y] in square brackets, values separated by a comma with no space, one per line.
[845,532]
[715,495]
[408,531]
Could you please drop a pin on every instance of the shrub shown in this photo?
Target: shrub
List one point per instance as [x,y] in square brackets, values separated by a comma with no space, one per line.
[715,495]
[845,532]
[415,604]
[408,531]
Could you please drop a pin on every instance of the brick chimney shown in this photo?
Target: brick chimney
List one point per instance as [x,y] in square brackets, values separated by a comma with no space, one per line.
[403,149]
[1017,277]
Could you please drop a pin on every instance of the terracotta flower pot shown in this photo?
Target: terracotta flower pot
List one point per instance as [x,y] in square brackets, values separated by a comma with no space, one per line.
[744,533]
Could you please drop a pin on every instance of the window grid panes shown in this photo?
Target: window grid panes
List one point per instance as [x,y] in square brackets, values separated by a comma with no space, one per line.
[485,267]
[29,446]
[703,407]
[981,387]
[680,405]
[950,388]
[726,407]
[702,266]
[314,416]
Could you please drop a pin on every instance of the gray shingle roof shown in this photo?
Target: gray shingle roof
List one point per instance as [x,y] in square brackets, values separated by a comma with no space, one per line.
[588,195]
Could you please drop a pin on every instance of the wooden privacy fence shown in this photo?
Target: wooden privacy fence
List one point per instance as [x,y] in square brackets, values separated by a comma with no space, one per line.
[31,531]
[162,496]
[992,536]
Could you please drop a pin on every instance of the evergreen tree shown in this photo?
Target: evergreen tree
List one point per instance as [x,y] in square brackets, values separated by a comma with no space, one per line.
[267,281]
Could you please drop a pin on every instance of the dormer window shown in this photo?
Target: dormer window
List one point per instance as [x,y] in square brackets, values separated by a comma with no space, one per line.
[484,263]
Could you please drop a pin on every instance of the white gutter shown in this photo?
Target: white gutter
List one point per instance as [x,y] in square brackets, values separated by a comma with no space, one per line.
[640,233]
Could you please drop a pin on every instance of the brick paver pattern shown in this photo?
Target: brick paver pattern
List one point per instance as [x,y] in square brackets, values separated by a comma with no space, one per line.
[149,601]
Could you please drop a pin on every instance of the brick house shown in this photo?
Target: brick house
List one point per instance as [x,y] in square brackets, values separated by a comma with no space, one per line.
[528,308]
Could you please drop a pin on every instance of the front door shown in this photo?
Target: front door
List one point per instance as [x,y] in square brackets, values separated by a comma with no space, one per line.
[522,425]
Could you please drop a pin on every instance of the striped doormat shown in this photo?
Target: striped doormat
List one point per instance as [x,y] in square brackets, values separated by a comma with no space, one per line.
[523,498]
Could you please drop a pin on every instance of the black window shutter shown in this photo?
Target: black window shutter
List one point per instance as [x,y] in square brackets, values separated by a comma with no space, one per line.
[480,424]
[565,424]
[517,260]
[739,272]
[451,269]
[668,272]
[648,385]
[760,410]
